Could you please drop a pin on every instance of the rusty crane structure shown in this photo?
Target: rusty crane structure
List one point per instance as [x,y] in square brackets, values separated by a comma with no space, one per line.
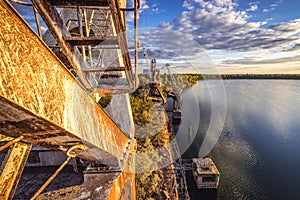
[48,83]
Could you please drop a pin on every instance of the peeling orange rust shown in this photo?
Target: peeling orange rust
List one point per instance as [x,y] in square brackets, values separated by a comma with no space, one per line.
[13,169]
[43,102]
[124,185]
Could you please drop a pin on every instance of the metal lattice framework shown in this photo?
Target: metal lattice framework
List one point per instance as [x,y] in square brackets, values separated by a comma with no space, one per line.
[90,39]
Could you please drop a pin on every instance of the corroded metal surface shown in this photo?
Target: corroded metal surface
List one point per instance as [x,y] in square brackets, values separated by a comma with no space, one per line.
[120,28]
[110,185]
[13,169]
[41,100]
[122,4]
[75,3]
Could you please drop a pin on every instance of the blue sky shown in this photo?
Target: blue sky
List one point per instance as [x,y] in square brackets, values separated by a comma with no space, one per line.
[218,36]
[231,36]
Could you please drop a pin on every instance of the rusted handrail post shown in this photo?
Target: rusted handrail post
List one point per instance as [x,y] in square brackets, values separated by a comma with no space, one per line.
[136,42]
[135,8]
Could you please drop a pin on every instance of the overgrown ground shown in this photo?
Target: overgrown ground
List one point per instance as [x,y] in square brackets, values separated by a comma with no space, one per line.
[155,178]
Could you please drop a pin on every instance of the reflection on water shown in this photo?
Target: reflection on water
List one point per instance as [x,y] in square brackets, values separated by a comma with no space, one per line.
[258,153]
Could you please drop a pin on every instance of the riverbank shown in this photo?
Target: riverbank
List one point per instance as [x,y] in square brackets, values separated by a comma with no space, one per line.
[155,178]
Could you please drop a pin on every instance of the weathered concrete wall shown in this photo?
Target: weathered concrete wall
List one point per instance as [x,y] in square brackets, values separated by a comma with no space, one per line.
[120,111]
[39,89]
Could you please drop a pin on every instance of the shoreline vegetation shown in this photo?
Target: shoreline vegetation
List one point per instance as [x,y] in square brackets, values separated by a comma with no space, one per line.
[153,137]
[183,81]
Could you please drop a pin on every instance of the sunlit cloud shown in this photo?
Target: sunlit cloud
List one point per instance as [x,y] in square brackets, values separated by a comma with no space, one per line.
[221,25]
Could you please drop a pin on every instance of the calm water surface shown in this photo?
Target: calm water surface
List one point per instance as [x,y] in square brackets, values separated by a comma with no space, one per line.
[258,152]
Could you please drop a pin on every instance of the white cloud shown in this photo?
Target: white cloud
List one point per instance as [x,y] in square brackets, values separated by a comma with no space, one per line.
[255,61]
[221,25]
[252,8]
[187,5]
[143,7]
[268,10]
[272,6]
[155,10]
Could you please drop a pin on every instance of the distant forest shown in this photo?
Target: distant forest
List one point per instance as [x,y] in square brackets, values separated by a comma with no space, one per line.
[191,78]
[242,76]
[186,80]
[260,76]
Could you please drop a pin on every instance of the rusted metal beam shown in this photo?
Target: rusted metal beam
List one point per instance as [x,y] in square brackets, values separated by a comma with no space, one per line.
[92,40]
[42,101]
[88,30]
[55,24]
[137,5]
[37,21]
[75,3]
[12,169]
[16,121]
[136,41]
[120,28]
[103,69]
[22,3]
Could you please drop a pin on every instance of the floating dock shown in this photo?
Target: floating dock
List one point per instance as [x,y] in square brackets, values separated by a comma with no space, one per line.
[205,173]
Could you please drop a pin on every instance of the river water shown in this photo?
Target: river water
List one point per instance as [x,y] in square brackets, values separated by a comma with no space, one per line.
[258,150]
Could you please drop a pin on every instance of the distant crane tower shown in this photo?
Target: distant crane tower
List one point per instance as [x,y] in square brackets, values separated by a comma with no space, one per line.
[174,100]
[169,72]
[145,54]
[154,72]
[154,85]
[176,85]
